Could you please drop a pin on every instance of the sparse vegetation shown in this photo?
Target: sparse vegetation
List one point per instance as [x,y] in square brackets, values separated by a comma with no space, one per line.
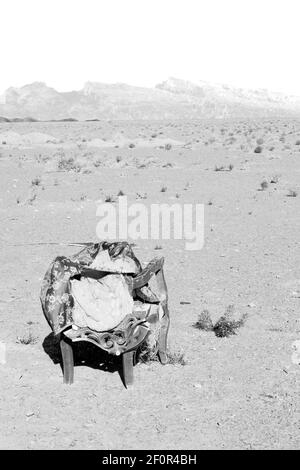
[68,164]
[224,168]
[36,181]
[292,193]
[219,168]
[176,358]
[204,321]
[97,163]
[28,338]
[224,327]
[264,185]
[147,354]
[109,198]
[141,196]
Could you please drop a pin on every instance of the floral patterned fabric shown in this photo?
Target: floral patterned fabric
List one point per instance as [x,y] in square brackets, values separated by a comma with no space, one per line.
[56,296]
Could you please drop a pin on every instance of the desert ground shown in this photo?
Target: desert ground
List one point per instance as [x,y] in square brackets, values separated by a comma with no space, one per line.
[236,392]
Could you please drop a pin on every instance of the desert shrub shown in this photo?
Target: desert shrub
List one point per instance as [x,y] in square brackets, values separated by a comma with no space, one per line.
[97,163]
[168,146]
[297,142]
[176,358]
[68,164]
[219,168]
[109,198]
[121,193]
[264,185]
[292,193]
[258,149]
[28,338]
[145,353]
[141,196]
[204,321]
[131,146]
[274,179]
[163,189]
[36,181]
[226,325]
[260,141]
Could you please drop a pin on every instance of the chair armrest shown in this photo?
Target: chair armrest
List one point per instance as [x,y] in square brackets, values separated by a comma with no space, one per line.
[145,275]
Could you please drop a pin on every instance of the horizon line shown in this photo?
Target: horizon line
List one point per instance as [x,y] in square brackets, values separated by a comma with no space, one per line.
[194,82]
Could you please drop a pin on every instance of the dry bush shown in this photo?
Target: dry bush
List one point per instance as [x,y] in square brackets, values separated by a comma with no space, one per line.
[110,198]
[264,185]
[220,168]
[227,325]
[204,321]
[36,181]
[68,164]
[146,353]
[27,339]
[224,327]
[292,193]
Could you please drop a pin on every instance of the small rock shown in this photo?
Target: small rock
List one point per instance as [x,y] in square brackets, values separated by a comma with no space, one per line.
[197,385]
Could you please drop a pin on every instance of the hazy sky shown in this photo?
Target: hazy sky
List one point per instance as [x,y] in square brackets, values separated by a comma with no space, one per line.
[249,43]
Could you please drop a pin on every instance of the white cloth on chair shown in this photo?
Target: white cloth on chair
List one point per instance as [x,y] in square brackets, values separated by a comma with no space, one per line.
[101,304]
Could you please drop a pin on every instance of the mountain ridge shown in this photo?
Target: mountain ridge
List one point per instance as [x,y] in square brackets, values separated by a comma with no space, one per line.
[171,99]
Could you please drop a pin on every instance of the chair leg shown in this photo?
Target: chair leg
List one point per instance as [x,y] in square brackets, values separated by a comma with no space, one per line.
[127,361]
[165,321]
[68,360]
[162,340]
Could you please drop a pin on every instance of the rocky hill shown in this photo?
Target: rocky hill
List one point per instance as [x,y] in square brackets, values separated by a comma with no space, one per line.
[171,99]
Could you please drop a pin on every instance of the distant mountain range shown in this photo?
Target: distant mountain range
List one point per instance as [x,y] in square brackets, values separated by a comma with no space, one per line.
[171,99]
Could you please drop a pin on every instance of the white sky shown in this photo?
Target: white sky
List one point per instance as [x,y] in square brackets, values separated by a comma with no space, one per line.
[248,43]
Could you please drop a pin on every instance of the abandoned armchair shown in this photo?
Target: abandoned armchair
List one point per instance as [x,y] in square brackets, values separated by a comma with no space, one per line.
[102,295]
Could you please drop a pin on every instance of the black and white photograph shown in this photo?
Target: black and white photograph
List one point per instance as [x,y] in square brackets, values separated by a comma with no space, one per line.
[150,221]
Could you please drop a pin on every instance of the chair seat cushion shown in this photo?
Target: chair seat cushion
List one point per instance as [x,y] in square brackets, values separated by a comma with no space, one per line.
[101,304]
